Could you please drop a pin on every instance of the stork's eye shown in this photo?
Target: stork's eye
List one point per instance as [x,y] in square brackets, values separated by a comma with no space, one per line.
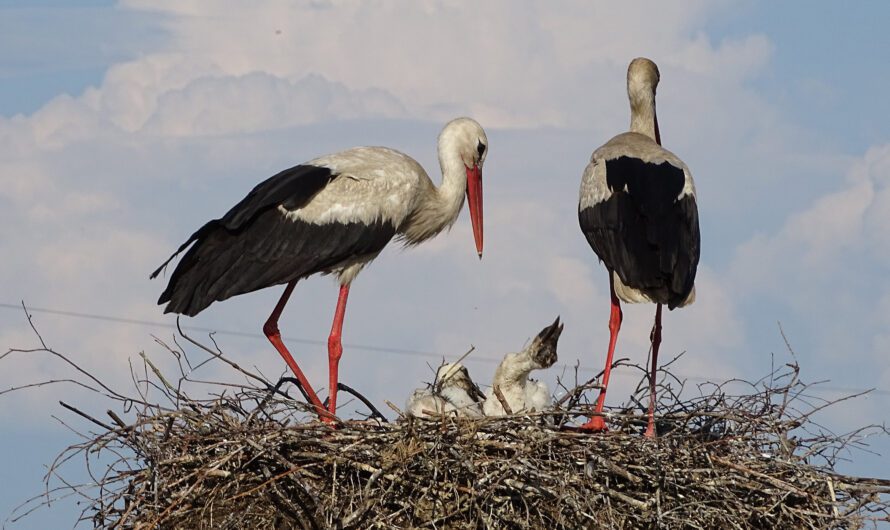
[480,148]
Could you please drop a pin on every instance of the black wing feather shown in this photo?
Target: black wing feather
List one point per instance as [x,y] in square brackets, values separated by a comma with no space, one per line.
[255,245]
[272,250]
[643,232]
[291,188]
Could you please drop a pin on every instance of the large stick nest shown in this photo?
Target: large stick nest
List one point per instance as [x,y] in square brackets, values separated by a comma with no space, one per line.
[251,456]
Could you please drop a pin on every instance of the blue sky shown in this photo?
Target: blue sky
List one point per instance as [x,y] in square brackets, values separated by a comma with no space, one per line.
[124,126]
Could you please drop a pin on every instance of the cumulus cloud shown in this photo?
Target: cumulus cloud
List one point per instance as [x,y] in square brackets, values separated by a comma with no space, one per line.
[528,64]
[824,271]
[822,240]
[259,101]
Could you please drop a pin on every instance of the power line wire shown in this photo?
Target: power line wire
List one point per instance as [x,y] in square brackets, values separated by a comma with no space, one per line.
[364,347]
[245,334]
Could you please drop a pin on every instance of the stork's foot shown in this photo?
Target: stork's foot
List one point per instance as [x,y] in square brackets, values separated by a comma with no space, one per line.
[650,429]
[596,424]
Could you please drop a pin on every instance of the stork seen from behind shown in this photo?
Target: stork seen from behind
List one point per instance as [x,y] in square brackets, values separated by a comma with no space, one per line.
[638,211]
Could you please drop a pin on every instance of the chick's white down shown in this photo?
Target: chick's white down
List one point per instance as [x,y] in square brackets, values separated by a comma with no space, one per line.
[453,392]
[521,394]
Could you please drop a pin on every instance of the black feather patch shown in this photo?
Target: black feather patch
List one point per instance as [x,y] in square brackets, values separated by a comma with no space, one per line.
[271,250]
[291,188]
[644,232]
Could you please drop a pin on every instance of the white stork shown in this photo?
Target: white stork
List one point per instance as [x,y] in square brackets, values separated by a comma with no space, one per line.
[521,394]
[453,392]
[637,209]
[333,214]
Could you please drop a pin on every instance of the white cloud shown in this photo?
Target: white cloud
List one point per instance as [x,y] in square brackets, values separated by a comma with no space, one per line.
[732,60]
[822,240]
[824,270]
[532,64]
[258,102]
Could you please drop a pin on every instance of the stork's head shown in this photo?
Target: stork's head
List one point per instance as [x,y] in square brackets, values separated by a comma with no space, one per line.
[464,139]
[543,347]
[642,78]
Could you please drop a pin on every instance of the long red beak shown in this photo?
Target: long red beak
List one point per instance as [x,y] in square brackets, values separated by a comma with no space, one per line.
[474,197]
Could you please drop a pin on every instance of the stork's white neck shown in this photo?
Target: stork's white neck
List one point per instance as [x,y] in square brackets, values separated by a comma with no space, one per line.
[514,369]
[642,112]
[440,206]
[453,189]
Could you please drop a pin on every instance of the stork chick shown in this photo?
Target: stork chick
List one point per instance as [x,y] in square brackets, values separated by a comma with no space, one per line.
[453,391]
[520,393]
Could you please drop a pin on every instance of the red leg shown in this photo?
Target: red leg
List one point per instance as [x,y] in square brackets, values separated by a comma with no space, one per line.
[270,328]
[597,423]
[335,347]
[655,336]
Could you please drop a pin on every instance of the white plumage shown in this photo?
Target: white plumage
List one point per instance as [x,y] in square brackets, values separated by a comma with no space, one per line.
[453,392]
[637,209]
[331,215]
[521,394]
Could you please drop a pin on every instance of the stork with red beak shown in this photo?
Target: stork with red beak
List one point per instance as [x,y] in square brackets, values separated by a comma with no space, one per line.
[331,215]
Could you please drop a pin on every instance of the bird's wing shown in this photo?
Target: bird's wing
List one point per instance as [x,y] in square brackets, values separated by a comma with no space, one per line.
[374,184]
[329,213]
[640,218]
[291,189]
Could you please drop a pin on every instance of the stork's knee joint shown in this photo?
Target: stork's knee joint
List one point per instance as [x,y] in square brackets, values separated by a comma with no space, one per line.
[335,348]
[270,329]
[615,320]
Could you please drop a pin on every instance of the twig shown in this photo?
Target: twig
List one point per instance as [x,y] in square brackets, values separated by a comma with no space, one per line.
[86,416]
[502,400]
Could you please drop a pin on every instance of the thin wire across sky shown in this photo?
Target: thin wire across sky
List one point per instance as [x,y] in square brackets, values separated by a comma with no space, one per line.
[365,347]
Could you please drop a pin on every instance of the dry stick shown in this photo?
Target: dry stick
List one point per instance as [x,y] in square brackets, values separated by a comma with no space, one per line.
[392,405]
[772,480]
[86,416]
[498,472]
[832,496]
[158,373]
[502,399]
[46,383]
[374,412]
[620,471]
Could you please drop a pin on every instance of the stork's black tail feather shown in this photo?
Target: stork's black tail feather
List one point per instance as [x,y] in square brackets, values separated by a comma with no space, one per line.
[272,250]
[217,250]
[200,233]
